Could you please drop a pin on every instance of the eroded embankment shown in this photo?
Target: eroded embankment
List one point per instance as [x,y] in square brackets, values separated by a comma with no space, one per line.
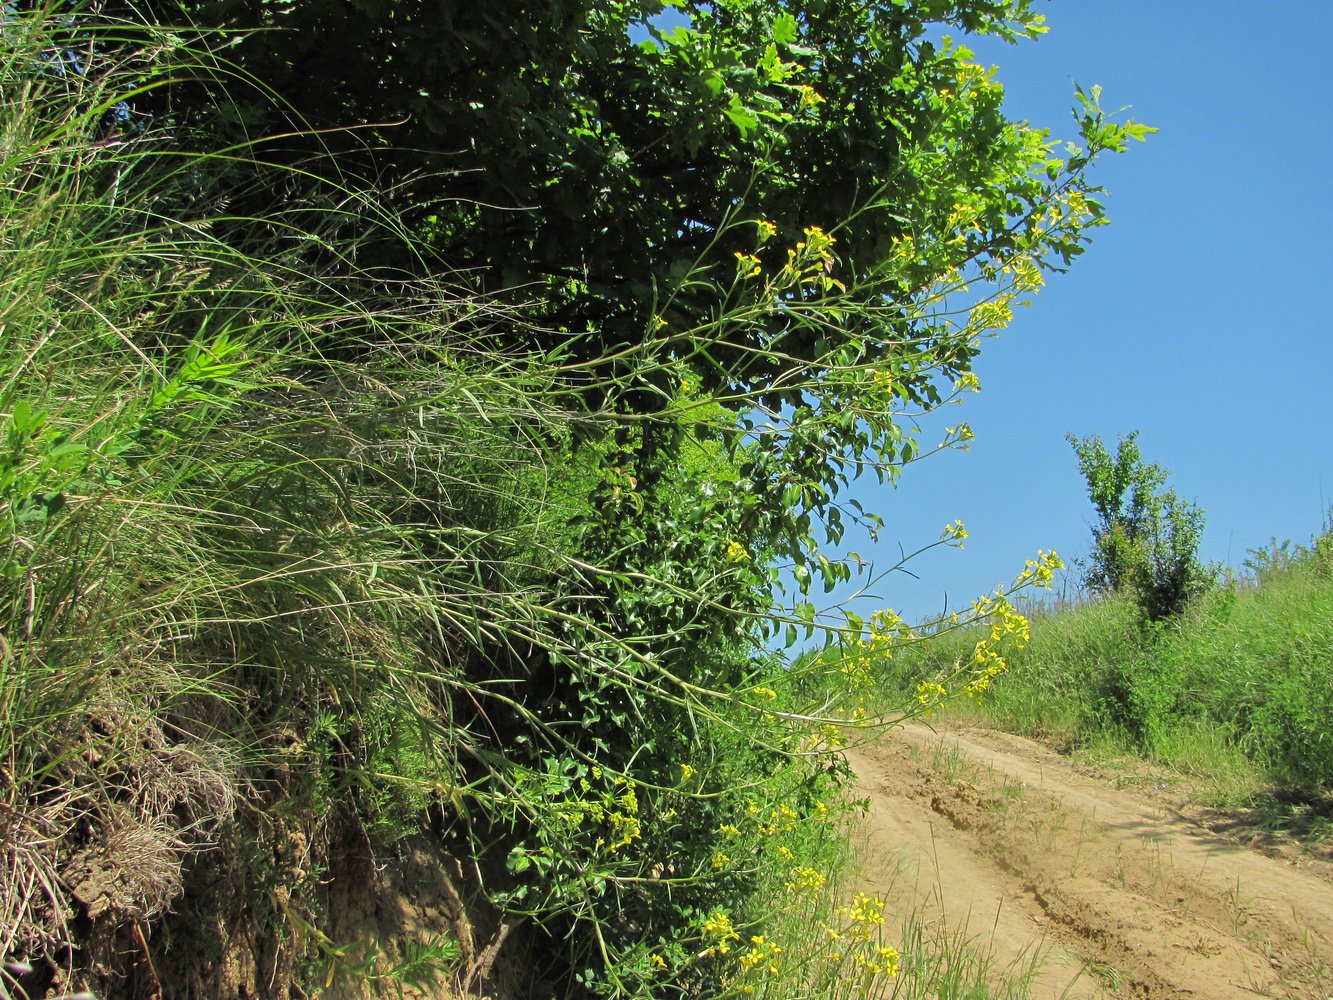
[1123,894]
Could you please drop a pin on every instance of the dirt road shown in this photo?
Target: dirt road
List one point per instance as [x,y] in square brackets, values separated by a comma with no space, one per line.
[1120,891]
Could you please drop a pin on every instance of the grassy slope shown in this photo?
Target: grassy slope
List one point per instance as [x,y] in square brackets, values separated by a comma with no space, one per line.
[1240,685]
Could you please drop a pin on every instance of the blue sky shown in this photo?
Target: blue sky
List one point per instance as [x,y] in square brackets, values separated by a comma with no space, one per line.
[1198,317]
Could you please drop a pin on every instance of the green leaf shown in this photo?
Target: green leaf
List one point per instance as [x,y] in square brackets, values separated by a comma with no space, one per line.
[741,116]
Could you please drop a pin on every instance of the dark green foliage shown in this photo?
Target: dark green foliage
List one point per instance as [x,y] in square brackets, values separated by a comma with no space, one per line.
[538,146]
[1146,539]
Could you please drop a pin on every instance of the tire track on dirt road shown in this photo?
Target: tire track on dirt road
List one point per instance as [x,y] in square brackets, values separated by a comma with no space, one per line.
[1123,895]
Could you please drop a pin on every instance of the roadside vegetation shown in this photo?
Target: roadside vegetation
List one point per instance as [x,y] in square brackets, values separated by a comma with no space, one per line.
[1224,678]
[358,507]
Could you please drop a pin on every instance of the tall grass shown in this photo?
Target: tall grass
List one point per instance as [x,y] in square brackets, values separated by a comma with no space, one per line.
[1239,681]
[238,505]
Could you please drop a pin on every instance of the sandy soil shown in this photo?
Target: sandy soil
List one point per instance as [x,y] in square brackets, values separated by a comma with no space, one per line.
[1122,892]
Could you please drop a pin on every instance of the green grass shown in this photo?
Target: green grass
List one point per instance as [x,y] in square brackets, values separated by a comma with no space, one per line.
[1235,694]
[245,507]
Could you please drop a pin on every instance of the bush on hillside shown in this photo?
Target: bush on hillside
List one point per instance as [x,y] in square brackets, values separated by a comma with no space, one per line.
[1146,539]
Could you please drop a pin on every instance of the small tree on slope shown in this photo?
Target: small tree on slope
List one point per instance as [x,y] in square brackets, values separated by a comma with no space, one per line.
[1146,539]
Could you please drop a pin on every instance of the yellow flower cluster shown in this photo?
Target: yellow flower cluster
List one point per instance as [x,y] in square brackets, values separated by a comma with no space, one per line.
[810,263]
[747,266]
[863,921]
[737,552]
[1027,276]
[955,532]
[783,819]
[885,961]
[960,435]
[864,653]
[1007,626]
[806,880]
[610,814]
[970,76]
[995,314]
[810,97]
[1076,204]
[930,694]
[761,951]
[856,670]
[719,933]
[967,382]
[1041,571]
[865,912]
[624,822]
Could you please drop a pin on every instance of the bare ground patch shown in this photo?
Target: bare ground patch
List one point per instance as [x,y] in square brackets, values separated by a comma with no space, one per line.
[1122,891]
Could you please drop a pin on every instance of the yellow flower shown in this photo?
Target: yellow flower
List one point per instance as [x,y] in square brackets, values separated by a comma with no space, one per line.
[747,265]
[806,879]
[993,315]
[885,963]
[687,772]
[737,552]
[888,960]
[819,242]
[867,909]
[765,229]
[954,532]
[659,962]
[967,382]
[719,931]
[761,950]
[931,693]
